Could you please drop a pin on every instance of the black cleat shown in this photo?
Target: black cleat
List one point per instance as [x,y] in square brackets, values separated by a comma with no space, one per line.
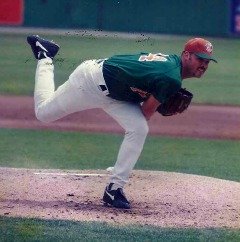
[116,198]
[42,48]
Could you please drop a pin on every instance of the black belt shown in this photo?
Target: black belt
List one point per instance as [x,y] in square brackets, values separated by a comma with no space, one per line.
[103,87]
[100,60]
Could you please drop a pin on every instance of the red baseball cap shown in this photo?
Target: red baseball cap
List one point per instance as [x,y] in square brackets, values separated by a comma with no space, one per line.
[200,47]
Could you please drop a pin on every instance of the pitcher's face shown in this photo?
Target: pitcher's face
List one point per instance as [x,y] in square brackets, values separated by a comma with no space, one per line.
[196,66]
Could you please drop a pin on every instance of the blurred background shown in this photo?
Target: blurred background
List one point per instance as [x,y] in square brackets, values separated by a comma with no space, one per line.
[202,17]
[190,17]
[100,28]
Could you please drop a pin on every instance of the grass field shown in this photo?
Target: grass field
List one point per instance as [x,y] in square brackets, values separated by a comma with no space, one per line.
[41,230]
[219,86]
[69,150]
[76,150]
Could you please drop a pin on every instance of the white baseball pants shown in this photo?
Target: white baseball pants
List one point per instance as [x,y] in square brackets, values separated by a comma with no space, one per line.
[82,91]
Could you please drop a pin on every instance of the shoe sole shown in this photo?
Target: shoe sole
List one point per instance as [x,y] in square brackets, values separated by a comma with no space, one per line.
[52,47]
[117,204]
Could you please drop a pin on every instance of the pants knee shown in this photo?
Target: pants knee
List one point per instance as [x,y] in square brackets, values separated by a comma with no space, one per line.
[140,129]
[41,116]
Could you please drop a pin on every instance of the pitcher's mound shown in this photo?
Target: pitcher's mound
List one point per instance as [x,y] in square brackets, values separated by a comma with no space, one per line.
[163,199]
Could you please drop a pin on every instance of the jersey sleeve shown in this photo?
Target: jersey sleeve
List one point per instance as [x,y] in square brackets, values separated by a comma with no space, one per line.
[165,88]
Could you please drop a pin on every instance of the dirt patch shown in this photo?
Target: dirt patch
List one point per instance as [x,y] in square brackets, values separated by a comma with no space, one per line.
[218,122]
[158,198]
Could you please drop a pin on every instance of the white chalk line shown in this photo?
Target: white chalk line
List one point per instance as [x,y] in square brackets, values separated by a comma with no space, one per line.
[68,174]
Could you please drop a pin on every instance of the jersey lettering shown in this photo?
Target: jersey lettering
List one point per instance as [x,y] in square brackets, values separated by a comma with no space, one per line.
[153,57]
[140,92]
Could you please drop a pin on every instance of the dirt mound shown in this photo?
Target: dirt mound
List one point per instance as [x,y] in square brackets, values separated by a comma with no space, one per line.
[158,198]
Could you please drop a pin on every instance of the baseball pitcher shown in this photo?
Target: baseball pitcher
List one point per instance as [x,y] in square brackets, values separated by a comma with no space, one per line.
[130,88]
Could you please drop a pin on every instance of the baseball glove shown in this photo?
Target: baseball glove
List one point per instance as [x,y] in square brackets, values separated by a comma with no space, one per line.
[177,103]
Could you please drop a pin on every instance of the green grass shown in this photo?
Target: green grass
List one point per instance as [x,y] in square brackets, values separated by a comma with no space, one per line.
[71,150]
[220,85]
[17,229]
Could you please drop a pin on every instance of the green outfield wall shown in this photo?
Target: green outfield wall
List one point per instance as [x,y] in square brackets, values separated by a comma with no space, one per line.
[188,17]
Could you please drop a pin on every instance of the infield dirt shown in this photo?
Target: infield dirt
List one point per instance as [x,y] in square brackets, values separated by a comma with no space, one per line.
[163,199]
[218,122]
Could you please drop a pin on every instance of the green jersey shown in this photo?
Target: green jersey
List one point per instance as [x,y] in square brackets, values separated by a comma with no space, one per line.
[134,77]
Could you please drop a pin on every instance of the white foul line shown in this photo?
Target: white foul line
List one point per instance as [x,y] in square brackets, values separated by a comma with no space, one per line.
[68,174]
